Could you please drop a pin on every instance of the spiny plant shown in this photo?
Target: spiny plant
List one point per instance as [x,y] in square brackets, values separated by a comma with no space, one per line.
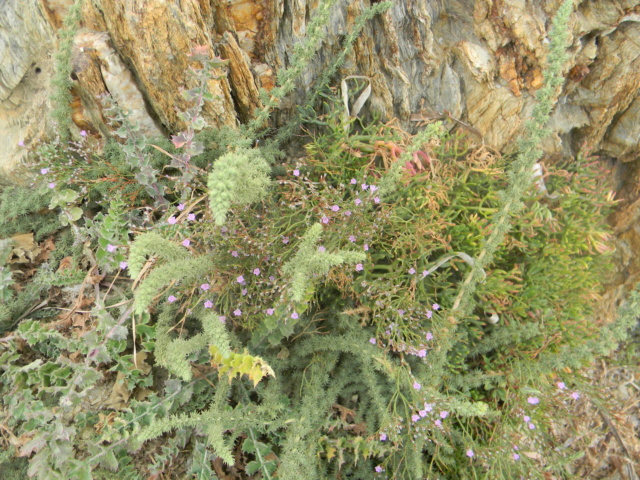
[312,320]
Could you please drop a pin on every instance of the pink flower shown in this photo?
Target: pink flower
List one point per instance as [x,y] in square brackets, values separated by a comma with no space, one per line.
[532,426]
[256,271]
[347,213]
[123,265]
[526,418]
[428,407]
[444,414]
[272,278]
[44,171]
[244,291]
[83,133]
[191,217]
[416,386]
[223,319]
[365,186]
[52,185]
[335,208]
[321,249]
[324,220]
[366,247]
[533,400]
[425,273]
[269,311]
[181,207]
[172,221]
[561,385]
[285,240]
[234,254]
[186,242]
[435,306]
[296,173]
[208,304]
[237,312]
[429,313]
[21,143]
[379,469]
[422,413]
[353,181]
[111,248]
[575,395]
[294,315]
[205,286]
[470,453]
[358,201]
[412,271]
[372,341]
[415,418]
[352,238]
[429,336]
[422,353]
[373,188]
[240,279]
[383,436]
[438,423]
[359,267]
[376,199]
[171,299]
[516,456]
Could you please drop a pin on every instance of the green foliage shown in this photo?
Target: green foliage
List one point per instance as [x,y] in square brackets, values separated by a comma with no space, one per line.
[377,310]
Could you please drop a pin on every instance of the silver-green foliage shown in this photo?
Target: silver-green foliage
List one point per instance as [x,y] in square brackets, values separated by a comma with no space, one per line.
[239,177]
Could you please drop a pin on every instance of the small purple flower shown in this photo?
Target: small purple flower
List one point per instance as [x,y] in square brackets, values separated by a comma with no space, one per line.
[285,240]
[533,400]
[83,133]
[191,217]
[425,273]
[383,436]
[347,213]
[429,314]
[335,208]
[234,254]
[52,185]
[44,171]
[532,426]
[516,456]
[352,238]
[428,407]
[205,286]
[240,279]
[412,271]
[296,173]
[366,247]
[256,271]
[172,221]
[171,299]
[324,220]
[353,181]
[181,207]
[372,341]
[111,248]
[444,414]
[438,423]
[269,311]
[429,336]
[21,143]
[422,353]
[186,242]
[470,453]
[373,188]
[322,249]
[244,291]
[378,469]
[358,201]
[365,186]
[123,265]
[208,304]
[416,386]
[435,306]
[376,199]
[561,385]
[294,315]
[415,418]
[359,267]
[237,312]
[223,319]
[400,312]
[526,418]
[575,395]
[422,413]
[272,278]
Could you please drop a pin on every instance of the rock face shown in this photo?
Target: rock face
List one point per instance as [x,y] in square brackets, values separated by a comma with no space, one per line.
[479,61]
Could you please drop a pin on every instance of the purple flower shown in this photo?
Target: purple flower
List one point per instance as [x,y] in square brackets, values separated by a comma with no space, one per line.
[205,286]
[191,217]
[256,271]
[358,201]
[533,400]
[171,299]
[429,313]
[237,312]
[365,186]
[425,273]
[244,291]
[372,341]
[422,353]
[438,423]
[347,213]
[376,199]
[435,306]
[353,181]
[383,436]
[412,271]
[428,407]
[172,221]
[378,469]
[416,386]
[321,249]
[123,265]
[44,171]
[470,453]
[526,418]
[366,247]
[234,254]
[575,395]
[296,173]
[52,185]
[21,143]
[111,248]
[83,133]
[294,315]
[532,426]
[240,279]
[422,413]
[352,238]
[400,312]
[335,208]
[359,267]
[516,456]
[272,278]
[429,336]
[208,304]
[561,385]
[415,418]
[269,311]
[444,414]
[181,207]
[186,242]
[223,319]
[324,220]
[373,188]
[285,240]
